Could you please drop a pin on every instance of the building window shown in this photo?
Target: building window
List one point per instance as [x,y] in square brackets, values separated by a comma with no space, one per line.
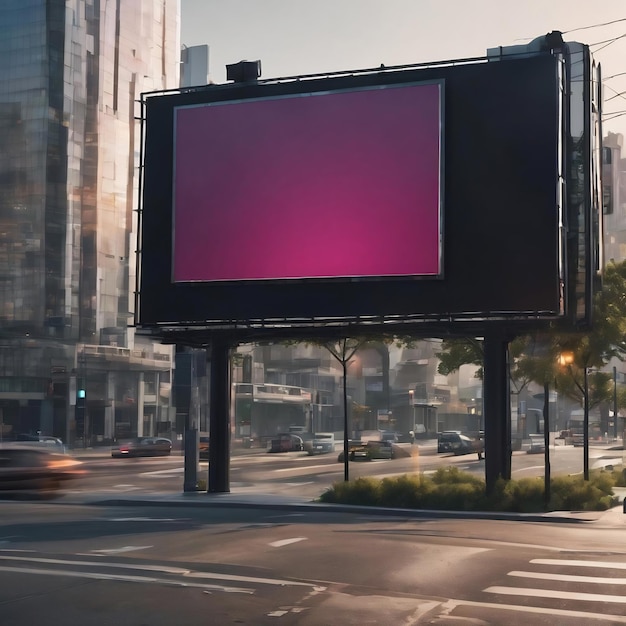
[607,200]
[607,156]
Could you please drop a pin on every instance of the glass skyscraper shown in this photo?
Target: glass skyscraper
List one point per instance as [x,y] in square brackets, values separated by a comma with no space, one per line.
[71,75]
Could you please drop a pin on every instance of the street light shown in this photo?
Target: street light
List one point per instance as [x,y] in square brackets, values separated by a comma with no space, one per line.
[566,359]
[411,400]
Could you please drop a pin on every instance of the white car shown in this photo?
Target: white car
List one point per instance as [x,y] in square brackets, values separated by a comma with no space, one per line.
[322,443]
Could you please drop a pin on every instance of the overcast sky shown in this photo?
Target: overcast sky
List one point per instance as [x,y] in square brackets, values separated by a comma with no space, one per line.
[293,37]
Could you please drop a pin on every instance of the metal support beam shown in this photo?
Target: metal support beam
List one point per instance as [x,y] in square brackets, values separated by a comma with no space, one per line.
[218,356]
[497,409]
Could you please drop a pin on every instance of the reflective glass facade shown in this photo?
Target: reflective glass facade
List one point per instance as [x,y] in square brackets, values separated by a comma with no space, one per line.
[71,73]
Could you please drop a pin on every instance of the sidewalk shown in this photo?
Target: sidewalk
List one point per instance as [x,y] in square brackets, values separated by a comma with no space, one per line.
[242,497]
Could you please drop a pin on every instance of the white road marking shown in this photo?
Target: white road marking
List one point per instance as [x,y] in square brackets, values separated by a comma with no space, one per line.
[123,549]
[169,570]
[574,563]
[291,469]
[308,482]
[139,519]
[123,578]
[560,595]
[277,613]
[161,473]
[602,580]
[286,542]
[452,604]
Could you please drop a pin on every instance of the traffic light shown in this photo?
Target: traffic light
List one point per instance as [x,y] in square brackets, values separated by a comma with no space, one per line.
[79,412]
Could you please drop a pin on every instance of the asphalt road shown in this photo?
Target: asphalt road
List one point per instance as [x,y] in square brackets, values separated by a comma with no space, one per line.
[308,476]
[67,565]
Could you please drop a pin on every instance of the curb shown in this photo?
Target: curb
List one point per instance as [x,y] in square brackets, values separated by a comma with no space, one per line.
[223,500]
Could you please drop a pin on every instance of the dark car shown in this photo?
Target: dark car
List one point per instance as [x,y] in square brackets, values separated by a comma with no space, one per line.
[285,442]
[143,446]
[457,443]
[203,447]
[24,467]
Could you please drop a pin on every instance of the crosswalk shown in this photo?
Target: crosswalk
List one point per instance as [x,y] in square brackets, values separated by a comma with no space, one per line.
[581,586]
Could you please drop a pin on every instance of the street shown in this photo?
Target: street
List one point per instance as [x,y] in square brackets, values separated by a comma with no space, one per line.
[308,476]
[124,546]
[211,564]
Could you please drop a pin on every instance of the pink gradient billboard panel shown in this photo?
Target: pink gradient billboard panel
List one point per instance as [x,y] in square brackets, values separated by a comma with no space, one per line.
[327,184]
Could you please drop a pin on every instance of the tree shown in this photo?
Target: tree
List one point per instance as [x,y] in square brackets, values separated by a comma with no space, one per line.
[536,358]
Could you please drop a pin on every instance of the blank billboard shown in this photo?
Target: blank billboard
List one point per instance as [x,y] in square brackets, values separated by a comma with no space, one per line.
[307,185]
[425,193]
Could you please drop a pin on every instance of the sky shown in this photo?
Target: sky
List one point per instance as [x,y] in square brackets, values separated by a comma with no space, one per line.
[296,37]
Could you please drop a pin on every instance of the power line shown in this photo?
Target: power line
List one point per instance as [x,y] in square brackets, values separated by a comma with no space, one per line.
[573,30]
[607,43]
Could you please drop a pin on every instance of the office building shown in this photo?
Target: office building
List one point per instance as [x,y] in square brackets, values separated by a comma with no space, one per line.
[71,75]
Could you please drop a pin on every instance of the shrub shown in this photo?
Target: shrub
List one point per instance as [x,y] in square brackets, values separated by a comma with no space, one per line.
[451,489]
[363,491]
[407,491]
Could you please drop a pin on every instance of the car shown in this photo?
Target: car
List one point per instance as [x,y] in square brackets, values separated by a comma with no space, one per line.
[46,441]
[457,443]
[321,443]
[285,442]
[33,467]
[203,447]
[368,450]
[142,446]
[537,444]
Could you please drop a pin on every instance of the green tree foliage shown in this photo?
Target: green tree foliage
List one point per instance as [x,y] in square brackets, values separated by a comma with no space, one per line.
[536,358]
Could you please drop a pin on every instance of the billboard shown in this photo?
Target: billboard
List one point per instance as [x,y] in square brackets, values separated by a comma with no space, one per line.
[277,177]
[424,194]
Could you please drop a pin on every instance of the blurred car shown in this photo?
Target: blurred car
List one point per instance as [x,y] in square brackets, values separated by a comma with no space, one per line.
[143,446]
[285,442]
[457,443]
[203,447]
[46,441]
[537,444]
[33,467]
[369,450]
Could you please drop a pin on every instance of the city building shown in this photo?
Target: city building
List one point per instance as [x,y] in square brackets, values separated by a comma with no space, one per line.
[194,66]
[71,75]
[614,197]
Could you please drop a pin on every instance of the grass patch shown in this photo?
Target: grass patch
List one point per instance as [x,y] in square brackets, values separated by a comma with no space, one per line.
[450,489]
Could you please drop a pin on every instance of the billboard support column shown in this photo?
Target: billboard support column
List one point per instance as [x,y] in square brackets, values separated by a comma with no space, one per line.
[219,415]
[497,409]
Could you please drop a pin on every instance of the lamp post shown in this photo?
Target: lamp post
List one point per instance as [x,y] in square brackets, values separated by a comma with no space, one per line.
[566,359]
[412,401]
[614,402]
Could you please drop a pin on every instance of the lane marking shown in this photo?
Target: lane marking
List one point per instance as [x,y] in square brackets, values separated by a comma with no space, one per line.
[299,469]
[286,542]
[166,472]
[452,604]
[578,563]
[124,578]
[170,570]
[559,595]
[120,550]
[603,580]
[142,519]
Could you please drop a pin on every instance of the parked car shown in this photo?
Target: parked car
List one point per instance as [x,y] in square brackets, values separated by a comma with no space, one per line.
[457,443]
[25,467]
[143,446]
[285,442]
